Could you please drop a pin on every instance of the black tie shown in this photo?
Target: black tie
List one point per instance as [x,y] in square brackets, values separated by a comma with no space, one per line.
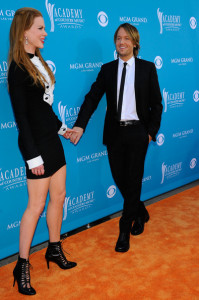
[121,91]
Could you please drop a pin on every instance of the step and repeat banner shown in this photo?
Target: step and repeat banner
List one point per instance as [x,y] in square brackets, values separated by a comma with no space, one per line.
[79,42]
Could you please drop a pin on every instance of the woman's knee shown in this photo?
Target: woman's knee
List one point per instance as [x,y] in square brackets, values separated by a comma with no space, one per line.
[36,208]
[58,197]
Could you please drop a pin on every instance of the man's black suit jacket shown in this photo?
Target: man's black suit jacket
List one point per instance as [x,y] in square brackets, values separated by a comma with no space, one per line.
[147,94]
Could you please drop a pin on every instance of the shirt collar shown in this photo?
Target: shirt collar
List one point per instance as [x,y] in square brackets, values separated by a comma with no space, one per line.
[130,62]
[31,55]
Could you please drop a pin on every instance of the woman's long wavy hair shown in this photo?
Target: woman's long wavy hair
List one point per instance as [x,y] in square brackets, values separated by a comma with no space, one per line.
[22,21]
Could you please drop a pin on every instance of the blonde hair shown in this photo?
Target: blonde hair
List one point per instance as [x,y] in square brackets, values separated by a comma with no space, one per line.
[134,35]
[22,21]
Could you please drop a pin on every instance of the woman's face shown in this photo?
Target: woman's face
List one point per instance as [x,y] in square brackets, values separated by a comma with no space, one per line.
[35,36]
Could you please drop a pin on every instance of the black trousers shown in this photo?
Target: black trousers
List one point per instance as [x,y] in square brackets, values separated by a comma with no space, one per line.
[126,158]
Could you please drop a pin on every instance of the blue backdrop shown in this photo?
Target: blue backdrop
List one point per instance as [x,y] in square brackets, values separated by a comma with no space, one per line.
[80,40]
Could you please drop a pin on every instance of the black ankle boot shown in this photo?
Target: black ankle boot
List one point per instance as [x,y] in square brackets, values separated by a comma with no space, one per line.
[55,254]
[21,274]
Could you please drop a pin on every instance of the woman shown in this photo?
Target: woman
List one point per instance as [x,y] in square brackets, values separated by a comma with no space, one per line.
[31,85]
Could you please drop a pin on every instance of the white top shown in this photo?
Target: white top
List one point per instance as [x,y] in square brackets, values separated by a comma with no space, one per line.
[129,111]
[49,98]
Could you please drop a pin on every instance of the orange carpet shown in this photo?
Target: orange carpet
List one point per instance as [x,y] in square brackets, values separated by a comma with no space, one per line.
[162,263]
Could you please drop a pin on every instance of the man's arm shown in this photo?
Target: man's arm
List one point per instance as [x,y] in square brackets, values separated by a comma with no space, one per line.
[91,101]
[88,107]
[155,99]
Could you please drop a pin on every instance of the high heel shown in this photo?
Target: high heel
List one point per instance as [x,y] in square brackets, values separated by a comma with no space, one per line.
[54,253]
[21,274]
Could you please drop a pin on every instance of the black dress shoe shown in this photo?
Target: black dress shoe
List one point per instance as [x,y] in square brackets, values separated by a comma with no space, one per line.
[122,244]
[138,226]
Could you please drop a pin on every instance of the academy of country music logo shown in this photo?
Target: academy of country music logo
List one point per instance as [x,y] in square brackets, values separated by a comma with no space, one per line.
[6,14]
[102,19]
[173,100]
[77,204]
[183,134]
[71,18]
[92,157]
[158,61]
[51,66]
[111,191]
[3,72]
[135,21]
[193,163]
[86,67]
[196,96]
[170,171]
[168,22]
[182,61]
[12,178]
[160,139]
[193,23]
[68,114]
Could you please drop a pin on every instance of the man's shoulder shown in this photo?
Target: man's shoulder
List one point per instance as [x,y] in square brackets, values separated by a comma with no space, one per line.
[144,62]
[110,64]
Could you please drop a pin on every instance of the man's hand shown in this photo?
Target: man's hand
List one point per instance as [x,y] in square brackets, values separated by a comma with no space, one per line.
[68,133]
[38,170]
[76,135]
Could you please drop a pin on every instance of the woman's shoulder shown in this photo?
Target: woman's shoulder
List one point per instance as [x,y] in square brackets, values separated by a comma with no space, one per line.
[17,73]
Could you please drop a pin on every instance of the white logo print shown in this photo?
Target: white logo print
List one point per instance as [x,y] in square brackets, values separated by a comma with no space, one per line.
[65,208]
[196,96]
[169,22]
[160,139]
[170,171]
[102,19]
[164,167]
[173,100]
[159,13]
[193,163]
[51,66]
[111,191]
[193,23]
[64,17]
[62,109]
[158,62]
[49,8]
[165,96]
[3,71]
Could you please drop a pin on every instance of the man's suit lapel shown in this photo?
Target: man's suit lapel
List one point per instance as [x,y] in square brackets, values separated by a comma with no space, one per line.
[114,80]
[137,75]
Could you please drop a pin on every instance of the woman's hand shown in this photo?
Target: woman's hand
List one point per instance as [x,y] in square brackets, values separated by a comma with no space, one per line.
[38,170]
[69,132]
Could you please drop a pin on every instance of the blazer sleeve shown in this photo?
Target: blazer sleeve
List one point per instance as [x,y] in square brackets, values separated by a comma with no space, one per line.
[155,102]
[17,81]
[92,100]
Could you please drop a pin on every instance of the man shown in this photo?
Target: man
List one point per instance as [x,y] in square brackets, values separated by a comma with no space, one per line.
[132,120]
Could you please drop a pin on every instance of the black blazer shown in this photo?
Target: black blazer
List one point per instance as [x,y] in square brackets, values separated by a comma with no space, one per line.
[147,94]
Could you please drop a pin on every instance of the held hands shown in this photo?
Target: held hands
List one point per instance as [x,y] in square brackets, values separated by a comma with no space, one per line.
[76,135]
[38,170]
[68,133]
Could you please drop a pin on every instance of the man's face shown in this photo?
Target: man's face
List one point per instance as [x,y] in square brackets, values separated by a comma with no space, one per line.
[124,45]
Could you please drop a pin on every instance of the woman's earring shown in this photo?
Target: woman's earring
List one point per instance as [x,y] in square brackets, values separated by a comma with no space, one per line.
[26,42]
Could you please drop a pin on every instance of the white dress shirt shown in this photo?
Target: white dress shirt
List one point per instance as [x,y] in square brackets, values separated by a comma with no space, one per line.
[129,111]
